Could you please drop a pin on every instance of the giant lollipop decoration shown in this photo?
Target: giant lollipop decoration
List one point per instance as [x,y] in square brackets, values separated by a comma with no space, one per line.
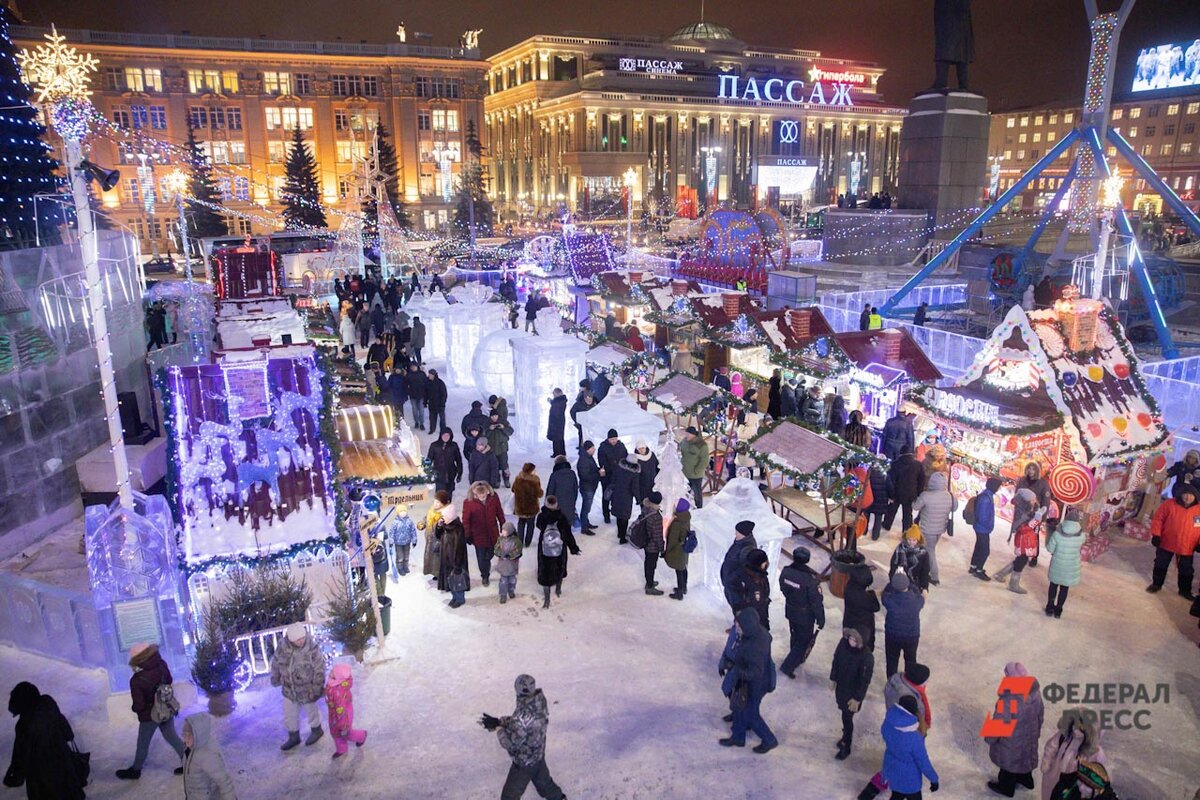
[1072,483]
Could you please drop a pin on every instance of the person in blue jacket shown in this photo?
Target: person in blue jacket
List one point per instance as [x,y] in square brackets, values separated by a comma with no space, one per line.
[749,675]
[905,760]
[984,524]
[902,626]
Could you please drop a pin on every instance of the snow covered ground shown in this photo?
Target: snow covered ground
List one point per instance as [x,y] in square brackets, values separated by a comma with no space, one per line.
[635,703]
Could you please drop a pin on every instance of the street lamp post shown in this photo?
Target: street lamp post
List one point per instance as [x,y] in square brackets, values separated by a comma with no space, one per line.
[630,177]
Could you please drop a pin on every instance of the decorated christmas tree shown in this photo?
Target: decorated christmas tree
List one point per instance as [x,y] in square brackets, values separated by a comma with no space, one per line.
[473,204]
[26,168]
[301,189]
[203,219]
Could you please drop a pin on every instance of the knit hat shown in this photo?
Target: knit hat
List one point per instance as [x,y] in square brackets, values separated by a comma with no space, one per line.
[916,674]
[745,527]
[900,582]
[525,685]
[914,532]
[692,430]
[1187,488]
[296,632]
[1015,669]
[757,559]
[612,433]
[588,445]
[909,704]
[682,505]
[801,555]
[656,498]
[1093,774]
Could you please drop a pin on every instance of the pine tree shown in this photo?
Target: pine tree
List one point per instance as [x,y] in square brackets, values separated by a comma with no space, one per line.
[203,219]
[472,185]
[301,190]
[26,168]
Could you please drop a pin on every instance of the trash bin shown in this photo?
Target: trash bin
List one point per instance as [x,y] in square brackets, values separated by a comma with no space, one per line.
[385,614]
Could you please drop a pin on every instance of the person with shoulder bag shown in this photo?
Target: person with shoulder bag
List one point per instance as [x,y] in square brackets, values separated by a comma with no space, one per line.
[155,705]
[45,759]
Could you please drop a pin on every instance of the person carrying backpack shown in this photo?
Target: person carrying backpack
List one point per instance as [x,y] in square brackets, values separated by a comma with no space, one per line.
[155,705]
[554,541]
[647,535]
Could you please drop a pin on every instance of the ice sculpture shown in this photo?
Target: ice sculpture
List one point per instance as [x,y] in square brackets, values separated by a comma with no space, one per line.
[543,363]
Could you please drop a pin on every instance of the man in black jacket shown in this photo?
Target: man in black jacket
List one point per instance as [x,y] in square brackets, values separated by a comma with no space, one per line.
[475,418]
[556,429]
[436,396]
[589,480]
[446,461]
[612,452]
[805,607]
[908,481]
[415,382]
[735,559]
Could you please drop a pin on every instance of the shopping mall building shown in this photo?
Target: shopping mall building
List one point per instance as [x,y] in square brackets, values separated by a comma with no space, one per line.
[689,120]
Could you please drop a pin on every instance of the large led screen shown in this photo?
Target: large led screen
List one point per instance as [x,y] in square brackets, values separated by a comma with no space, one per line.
[1167,66]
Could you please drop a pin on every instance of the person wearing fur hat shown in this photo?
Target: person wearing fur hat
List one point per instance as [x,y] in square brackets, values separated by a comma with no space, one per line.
[983,525]
[648,466]
[482,518]
[675,555]
[910,683]
[1175,534]
[555,540]
[804,606]
[902,625]
[905,760]
[339,702]
[911,557]
[1016,755]
[649,527]
[1064,546]
[523,737]
[853,665]
[609,454]
[42,760]
[752,588]
[508,560]
[455,574]
[205,776]
[149,673]
[735,558]
[298,668]
[626,483]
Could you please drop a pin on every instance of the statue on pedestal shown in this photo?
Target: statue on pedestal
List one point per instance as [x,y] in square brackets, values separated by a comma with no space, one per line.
[954,43]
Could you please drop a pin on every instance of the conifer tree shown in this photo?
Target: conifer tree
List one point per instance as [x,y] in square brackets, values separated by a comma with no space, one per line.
[301,189]
[472,187]
[203,219]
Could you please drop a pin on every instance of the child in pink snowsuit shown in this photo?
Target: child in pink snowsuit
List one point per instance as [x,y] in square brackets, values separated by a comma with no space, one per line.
[341,710]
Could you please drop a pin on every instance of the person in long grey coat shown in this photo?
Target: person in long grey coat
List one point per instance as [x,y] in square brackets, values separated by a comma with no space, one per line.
[935,505]
[1017,755]
[205,776]
[564,486]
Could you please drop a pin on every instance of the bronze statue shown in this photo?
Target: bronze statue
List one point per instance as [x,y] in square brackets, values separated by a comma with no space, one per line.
[954,42]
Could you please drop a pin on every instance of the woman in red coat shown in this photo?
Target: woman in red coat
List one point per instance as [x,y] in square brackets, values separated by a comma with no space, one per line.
[482,519]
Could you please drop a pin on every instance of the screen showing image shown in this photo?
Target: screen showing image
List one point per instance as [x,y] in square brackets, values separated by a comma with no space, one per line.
[1167,66]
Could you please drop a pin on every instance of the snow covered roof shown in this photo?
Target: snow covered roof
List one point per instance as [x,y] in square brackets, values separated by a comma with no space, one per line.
[796,448]
[1109,413]
[620,411]
[781,335]
[874,347]
[680,390]
[609,354]
[710,309]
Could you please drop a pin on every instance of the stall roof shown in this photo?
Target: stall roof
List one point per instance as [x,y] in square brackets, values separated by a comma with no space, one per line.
[782,335]
[710,309]
[609,354]
[870,347]
[681,390]
[796,448]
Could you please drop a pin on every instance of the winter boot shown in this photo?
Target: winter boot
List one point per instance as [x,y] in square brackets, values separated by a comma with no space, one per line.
[546,591]
[1014,584]
[869,792]
[129,774]
[730,742]
[676,595]
[983,576]
[652,590]
[1049,610]
[506,484]
[292,740]
[843,751]
[503,598]
[1058,612]
[999,576]
[558,589]
[1154,588]
[1000,790]
[764,748]
[314,736]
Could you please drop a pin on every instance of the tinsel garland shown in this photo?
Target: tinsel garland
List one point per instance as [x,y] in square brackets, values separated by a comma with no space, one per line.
[723,397]
[830,469]
[839,362]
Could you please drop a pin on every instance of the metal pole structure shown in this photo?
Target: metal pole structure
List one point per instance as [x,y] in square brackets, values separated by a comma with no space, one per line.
[1027,250]
[95,300]
[184,248]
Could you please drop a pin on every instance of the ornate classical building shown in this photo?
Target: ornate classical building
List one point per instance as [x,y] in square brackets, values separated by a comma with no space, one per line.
[244,97]
[699,117]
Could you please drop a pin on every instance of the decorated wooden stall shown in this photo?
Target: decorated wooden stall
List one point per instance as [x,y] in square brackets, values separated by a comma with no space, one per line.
[382,454]
[247,272]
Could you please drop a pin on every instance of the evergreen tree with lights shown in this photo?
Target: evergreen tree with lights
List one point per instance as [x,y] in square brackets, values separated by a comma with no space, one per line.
[301,189]
[26,168]
[203,220]
[472,187]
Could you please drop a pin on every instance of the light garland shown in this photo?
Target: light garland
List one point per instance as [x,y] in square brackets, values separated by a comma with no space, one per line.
[829,469]
[57,69]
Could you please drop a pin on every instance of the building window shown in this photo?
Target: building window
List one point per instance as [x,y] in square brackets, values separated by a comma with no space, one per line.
[229,82]
[347,120]
[445,120]
[1185,148]
[114,79]
[347,151]
[237,152]
[1054,119]
[1039,120]
[289,118]
[1150,130]
[204,80]
[1190,183]
[233,118]
[120,117]
[423,121]
[1133,132]
[216,118]
[1118,113]
[341,120]
[1173,109]
[1008,155]
[1166,149]
[303,83]
[1037,136]
[240,226]
[277,82]
[1193,108]
[1024,122]
[1189,128]
[1152,112]
[370,85]
[137,79]
[1051,136]
[1024,137]
[1034,154]
[277,152]
[198,117]
[438,87]
[355,85]
[1112,151]
[133,190]
[1168,130]
[1011,122]
[1146,148]
[1020,155]
[1134,113]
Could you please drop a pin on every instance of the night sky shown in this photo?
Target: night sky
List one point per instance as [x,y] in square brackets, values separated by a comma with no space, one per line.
[1027,51]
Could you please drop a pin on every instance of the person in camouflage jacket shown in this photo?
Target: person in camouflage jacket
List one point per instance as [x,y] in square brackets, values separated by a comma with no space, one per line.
[523,735]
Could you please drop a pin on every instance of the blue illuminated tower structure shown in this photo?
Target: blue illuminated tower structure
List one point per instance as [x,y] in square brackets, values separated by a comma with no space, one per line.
[1086,172]
[29,215]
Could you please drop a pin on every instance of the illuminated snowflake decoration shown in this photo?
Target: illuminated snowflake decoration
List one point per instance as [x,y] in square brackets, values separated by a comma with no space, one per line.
[57,70]
[744,331]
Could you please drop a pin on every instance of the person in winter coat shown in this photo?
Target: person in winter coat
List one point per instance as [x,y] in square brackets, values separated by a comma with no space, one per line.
[1185,472]
[149,673]
[377,320]
[984,524]
[588,472]
[523,736]
[455,573]
[650,526]
[626,483]
[475,418]
[42,760]
[347,332]
[499,407]
[1016,755]
[498,433]
[749,673]
[934,461]
[564,486]
[362,326]
[554,542]
[483,465]
[693,452]
[431,564]
[471,442]
[648,464]
[339,702]
[611,452]
[851,673]
[775,395]
[397,393]
[1175,534]
[527,499]
[482,518]
[902,625]
[735,558]
[415,383]
[936,506]
[804,606]
[864,319]
[787,399]
[752,588]
[1064,546]
[898,436]
[533,304]
[910,683]
[436,396]
[881,499]
[905,760]
[205,776]
[911,557]
[1026,538]
[857,433]
[298,668]
[860,604]
[837,416]
[509,549]
[401,531]
[417,341]
[675,556]
[446,460]
[556,428]
[908,481]
[586,401]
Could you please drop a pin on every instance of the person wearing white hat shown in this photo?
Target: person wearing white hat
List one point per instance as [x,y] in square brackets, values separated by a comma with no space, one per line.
[299,669]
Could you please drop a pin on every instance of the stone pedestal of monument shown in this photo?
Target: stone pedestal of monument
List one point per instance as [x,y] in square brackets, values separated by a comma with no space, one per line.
[943,158]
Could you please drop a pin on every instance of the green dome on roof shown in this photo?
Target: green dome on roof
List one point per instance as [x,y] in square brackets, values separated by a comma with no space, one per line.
[702,32]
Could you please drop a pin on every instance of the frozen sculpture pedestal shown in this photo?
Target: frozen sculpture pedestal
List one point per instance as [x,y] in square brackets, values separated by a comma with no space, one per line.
[714,524]
[469,319]
[492,365]
[543,363]
[619,411]
[434,313]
